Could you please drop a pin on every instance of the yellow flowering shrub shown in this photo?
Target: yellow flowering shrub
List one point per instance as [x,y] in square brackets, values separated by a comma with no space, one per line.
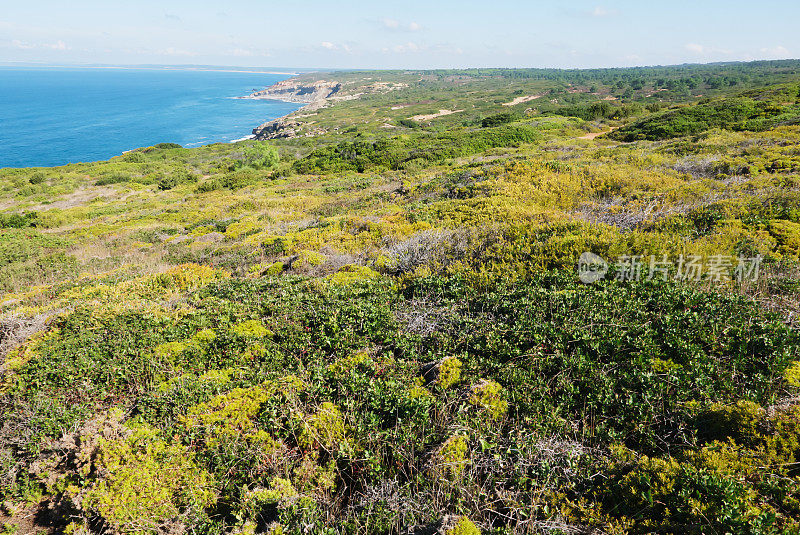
[241,228]
[418,391]
[787,234]
[352,274]
[307,258]
[145,483]
[325,429]
[280,490]
[204,337]
[23,354]
[344,365]
[451,459]
[251,329]
[464,526]
[169,351]
[792,374]
[275,268]
[231,415]
[448,373]
[488,395]
[187,277]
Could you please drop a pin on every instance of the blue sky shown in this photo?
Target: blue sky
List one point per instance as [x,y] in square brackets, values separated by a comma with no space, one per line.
[394,34]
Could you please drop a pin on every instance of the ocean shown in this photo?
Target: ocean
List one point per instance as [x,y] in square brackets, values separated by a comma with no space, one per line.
[55,116]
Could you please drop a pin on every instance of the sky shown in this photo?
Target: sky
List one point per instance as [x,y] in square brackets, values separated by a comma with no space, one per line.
[386,34]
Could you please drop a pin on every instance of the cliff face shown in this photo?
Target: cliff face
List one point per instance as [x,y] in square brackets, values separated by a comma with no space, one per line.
[277,129]
[313,94]
[292,91]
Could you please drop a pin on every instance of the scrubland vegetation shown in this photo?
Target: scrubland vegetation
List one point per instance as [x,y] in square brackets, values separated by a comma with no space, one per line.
[381,329]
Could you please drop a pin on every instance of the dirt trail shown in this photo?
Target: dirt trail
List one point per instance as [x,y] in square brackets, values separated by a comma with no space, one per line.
[520,100]
[593,135]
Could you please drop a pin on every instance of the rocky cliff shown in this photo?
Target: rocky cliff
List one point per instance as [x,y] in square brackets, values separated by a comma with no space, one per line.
[293,91]
[314,94]
[279,128]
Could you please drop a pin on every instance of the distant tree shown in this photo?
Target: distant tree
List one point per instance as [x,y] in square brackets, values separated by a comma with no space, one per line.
[26,220]
[37,178]
[408,123]
[499,119]
[598,110]
[260,155]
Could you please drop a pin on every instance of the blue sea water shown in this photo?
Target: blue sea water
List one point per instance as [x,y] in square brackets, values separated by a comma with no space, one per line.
[54,116]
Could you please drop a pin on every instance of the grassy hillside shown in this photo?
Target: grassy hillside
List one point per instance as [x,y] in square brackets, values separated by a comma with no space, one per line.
[381,327]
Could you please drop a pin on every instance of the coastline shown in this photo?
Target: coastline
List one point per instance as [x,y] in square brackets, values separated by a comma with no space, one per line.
[311,94]
[53,136]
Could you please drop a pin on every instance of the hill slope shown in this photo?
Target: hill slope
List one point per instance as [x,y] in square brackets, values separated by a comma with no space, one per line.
[377,325]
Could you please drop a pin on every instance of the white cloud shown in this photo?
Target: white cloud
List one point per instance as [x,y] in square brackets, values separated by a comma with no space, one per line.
[23,45]
[172,17]
[412,47]
[600,11]
[778,52]
[702,50]
[327,45]
[172,51]
[397,26]
[16,43]
[240,52]
[408,47]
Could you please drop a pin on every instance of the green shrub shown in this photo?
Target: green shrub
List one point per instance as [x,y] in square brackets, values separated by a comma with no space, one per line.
[260,155]
[19,221]
[499,119]
[408,123]
[113,178]
[37,178]
[731,113]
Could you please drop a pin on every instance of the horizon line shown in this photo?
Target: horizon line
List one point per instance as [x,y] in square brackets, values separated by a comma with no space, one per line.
[295,71]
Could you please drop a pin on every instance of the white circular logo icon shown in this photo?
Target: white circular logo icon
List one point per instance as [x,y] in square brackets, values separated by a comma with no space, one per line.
[591,268]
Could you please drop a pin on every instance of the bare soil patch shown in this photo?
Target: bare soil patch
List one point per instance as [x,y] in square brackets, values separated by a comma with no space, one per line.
[521,100]
[442,113]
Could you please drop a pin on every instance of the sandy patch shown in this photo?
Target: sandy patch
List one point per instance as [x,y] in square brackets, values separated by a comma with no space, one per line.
[433,116]
[593,135]
[521,100]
